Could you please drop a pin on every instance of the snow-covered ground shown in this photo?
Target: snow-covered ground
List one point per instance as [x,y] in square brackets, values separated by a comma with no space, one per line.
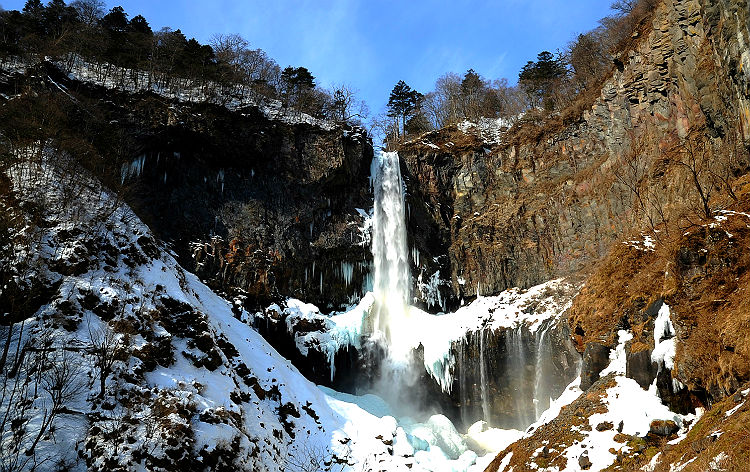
[234,98]
[629,410]
[221,388]
[490,130]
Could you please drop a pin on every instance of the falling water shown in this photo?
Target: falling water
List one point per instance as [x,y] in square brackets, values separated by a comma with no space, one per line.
[483,378]
[541,392]
[516,363]
[390,258]
[462,379]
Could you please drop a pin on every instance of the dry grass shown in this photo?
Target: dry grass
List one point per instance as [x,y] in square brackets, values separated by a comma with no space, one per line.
[715,433]
[703,275]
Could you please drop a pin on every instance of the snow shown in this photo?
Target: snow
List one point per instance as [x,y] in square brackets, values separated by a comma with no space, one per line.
[435,444]
[361,429]
[627,404]
[571,392]
[430,290]
[339,330]
[184,90]
[436,333]
[717,462]
[490,130]
[733,410]
[646,244]
[617,357]
[664,340]
[504,463]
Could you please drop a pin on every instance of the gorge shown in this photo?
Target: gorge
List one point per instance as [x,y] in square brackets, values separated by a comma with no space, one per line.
[206,266]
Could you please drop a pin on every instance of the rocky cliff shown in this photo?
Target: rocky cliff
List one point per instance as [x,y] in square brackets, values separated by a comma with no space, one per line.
[258,206]
[551,195]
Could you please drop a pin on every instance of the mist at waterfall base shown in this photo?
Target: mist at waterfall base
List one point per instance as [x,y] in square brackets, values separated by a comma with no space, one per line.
[477,368]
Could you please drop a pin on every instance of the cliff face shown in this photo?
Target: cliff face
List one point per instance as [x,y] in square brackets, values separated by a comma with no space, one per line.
[255,205]
[548,197]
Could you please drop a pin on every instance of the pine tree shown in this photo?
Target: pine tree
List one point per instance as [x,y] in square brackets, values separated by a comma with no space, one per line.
[139,24]
[116,19]
[471,95]
[298,77]
[33,8]
[297,82]
[538,78]
[403,102]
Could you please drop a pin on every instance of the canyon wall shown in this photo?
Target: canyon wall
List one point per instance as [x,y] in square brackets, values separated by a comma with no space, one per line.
[261,205]
[551,195]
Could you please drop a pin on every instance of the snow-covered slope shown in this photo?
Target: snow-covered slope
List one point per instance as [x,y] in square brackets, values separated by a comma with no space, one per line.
[187,383]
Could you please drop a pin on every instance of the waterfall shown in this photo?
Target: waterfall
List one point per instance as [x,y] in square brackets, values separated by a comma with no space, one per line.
[461,365]
[390,253]
[541,390]
[516,369]
[483,378]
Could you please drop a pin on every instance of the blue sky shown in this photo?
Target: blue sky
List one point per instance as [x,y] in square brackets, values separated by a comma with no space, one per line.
[373,44]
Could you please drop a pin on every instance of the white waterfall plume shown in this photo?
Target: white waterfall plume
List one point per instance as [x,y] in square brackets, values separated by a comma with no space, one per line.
[390,258]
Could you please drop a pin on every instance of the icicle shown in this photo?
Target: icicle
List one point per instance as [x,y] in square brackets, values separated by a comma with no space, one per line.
[220,179]
[347,272]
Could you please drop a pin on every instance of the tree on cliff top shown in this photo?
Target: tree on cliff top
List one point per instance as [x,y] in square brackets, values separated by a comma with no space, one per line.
[403,102]
[538,79]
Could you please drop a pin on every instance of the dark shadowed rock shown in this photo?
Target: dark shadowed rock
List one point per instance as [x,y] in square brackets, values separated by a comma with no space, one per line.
[640,368]
[584,461]
[604,426]
[595,359]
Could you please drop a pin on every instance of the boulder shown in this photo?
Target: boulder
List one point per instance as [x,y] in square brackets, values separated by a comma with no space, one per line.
[595,359]
[664,428]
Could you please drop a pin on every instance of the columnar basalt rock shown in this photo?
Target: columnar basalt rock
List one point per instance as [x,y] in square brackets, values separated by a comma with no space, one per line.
[552,195]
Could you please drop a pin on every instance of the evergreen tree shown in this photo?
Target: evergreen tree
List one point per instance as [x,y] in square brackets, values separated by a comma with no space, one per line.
[298,83]
[472,90]
[139,25]
[538,78]
[298,78]
[116,19]
[403,102]
[33,8]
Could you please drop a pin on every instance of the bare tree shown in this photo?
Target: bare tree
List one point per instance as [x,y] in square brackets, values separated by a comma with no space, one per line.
[89,11]
[40,381]
[310,458]
[632,171]
[693,154]
[105,346]
[345,106]
[61,381]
